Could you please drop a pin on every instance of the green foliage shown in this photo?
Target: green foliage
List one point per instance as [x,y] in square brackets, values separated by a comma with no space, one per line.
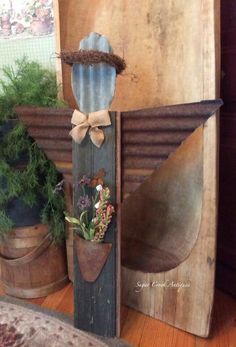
[29,84]
[6,224]
[15,143]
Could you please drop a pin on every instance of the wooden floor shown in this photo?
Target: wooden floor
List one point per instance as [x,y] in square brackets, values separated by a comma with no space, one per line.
[143,331]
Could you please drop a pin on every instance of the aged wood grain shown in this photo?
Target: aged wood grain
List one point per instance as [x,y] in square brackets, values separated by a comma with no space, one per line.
[161,41]
[40,274]
[58,47]
[96,307]
[189,309]
[190,259]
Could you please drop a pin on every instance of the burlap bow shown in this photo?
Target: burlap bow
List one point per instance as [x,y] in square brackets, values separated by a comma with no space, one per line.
[91,122]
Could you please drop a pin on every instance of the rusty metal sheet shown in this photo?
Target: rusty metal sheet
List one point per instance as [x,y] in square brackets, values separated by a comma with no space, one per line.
[92,257]
[144,147]
[149,136]
[50,128]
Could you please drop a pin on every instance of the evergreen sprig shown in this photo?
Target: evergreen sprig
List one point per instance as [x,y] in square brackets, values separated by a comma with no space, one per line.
[28,84]
[6,223]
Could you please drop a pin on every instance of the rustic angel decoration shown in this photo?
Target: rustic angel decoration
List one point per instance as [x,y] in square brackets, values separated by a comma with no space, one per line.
[94,221]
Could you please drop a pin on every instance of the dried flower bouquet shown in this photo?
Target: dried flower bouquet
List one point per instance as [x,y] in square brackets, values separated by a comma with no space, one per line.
[95,210]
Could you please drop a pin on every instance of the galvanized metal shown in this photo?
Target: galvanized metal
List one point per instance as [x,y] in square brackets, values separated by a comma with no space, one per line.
[94,86]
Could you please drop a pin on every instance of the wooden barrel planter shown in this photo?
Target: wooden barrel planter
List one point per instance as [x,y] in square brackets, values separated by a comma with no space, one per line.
[57,145]
[32,266]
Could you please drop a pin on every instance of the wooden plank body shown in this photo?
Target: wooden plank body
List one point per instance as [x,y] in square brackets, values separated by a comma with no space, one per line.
[96,308]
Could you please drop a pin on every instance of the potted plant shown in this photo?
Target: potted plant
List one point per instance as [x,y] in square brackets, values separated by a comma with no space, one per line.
[30,185]
[94,216]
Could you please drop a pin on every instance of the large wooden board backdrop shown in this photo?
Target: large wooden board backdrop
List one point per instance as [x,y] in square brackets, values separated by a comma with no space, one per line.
[169,47]
[172,53]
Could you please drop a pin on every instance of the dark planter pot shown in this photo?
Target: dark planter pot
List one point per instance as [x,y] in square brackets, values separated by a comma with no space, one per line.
[92,257]
[6,127]
[17,210]
[22,214]
[21,162]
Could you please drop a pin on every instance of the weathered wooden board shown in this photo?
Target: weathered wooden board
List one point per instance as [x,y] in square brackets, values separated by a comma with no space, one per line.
[59,77]
[169,236]
[96,307]
[168,47]
[32,266]
[226,252]
[189,308]
[96,303]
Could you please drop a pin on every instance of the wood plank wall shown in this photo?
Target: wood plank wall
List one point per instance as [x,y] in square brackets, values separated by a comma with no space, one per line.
[162,42]
[226,266]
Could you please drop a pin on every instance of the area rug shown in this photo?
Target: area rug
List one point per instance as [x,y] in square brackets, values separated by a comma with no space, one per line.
[24,325]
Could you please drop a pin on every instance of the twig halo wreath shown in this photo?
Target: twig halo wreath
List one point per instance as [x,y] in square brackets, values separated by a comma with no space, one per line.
[92,57]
